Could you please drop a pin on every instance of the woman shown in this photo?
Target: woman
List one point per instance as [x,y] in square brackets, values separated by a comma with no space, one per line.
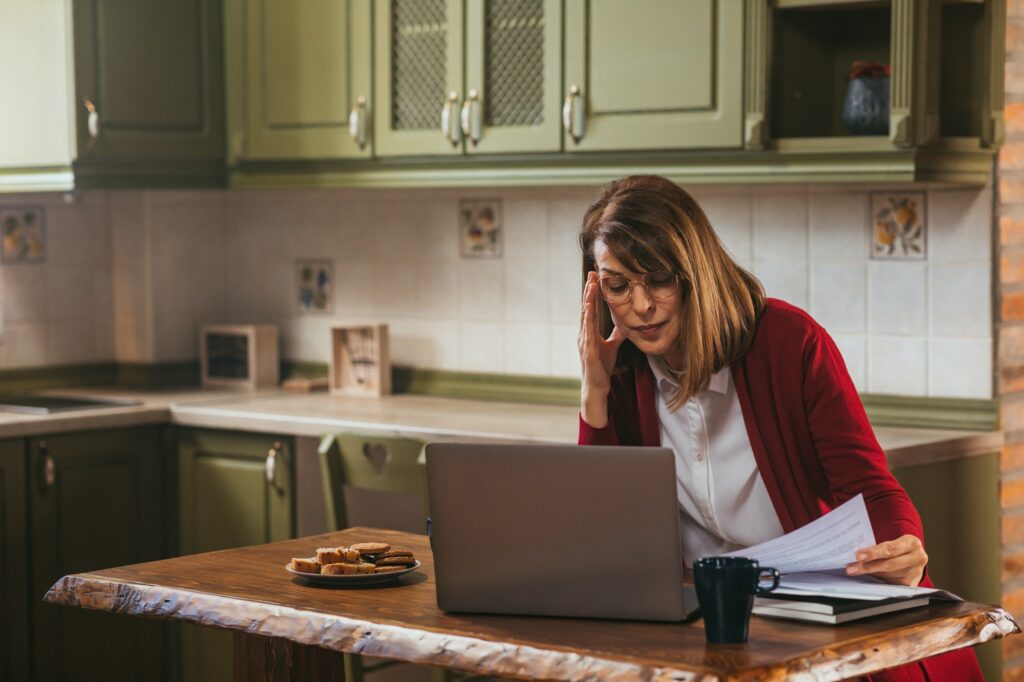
[680,347]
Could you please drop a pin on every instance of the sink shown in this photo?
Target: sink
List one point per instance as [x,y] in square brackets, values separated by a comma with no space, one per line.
[48,404]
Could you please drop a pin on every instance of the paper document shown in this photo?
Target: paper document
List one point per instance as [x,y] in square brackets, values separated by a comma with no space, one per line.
[843,586]
[824,544]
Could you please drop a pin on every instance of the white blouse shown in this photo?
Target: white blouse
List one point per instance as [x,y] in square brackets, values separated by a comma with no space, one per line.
[723,502]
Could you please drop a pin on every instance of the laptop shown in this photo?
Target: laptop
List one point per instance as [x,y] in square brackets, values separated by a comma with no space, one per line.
[557,530]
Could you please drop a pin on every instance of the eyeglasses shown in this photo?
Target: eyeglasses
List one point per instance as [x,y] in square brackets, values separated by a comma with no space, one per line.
[660,285]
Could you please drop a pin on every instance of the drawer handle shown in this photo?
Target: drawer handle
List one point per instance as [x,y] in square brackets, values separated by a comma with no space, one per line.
[270,467]
[49,466]
[452,133]
[573,114]
[357,122]
[472,125]
[93,120]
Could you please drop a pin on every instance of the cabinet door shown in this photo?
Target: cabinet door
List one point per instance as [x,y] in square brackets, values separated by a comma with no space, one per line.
[418,65]
[226,500]
[514,67]
[152,70]
[95,503]
[308,65]
[655,74]
[14,622]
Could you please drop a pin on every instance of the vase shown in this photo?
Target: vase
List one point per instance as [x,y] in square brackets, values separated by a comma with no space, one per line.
[866,107]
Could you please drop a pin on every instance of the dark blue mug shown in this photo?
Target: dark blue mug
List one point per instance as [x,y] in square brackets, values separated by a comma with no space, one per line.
[725,589]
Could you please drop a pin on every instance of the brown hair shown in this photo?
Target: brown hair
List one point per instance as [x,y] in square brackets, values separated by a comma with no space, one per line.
[650,223]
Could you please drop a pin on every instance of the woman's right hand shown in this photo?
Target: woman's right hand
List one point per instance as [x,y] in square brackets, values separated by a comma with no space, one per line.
[597,356]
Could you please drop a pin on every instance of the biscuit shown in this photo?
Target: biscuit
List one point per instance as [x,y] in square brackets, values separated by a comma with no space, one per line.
[364,568]
[309,565]
[348,554]
[393,553]
[328,555]
[371,547]
[339,569]
[396,561]
[388,569]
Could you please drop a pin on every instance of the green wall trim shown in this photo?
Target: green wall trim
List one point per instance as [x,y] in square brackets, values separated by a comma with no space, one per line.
[300,368]
[58,376]
[500,387]
[943,413]
[157,375]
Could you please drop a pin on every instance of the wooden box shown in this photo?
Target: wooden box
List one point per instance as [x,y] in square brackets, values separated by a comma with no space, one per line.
[239,355]
[360,363]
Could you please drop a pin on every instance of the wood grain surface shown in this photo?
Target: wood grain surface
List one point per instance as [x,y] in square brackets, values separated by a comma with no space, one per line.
[248,590]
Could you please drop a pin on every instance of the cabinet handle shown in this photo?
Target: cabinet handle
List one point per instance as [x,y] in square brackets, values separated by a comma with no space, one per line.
[452,133]
[93,121]
[270,467]
[49,472]
[472,125]
[573,114]
[357,122]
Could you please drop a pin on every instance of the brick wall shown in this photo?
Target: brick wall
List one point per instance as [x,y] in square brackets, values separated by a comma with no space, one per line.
[1010,330]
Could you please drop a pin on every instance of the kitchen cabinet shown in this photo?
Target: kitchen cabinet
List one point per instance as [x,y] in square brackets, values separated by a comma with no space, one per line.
[475,79]
[95,502]
[14,621]
[653,74]
[301,72]
[148,106]
[235,489]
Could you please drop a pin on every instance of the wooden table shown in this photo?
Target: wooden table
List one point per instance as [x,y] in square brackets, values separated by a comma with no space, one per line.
[247,590]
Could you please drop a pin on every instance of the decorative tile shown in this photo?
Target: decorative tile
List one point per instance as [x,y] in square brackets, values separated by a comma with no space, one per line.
[898,225]
[315,279]
[24,234]
[480,228]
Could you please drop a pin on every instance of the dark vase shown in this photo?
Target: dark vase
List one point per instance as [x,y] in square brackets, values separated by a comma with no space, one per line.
[866,108]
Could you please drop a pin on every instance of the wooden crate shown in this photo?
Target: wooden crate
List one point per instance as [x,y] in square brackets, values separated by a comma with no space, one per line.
[239,355]
[360,362]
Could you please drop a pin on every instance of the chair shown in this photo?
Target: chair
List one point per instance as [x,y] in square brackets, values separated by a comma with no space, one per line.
[360,465]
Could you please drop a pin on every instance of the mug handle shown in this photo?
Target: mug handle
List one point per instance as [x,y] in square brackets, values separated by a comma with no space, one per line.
[775,576]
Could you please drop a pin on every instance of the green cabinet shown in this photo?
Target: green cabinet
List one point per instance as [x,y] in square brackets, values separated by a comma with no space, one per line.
[302,72]
[14,601]
[475,79]
[235,489]
[653,74]
[148,92]
[95,502]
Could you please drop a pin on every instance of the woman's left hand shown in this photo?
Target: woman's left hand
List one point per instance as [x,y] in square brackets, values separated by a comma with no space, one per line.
[900,561]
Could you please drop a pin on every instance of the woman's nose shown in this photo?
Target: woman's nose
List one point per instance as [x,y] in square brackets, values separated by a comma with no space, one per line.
[642,301]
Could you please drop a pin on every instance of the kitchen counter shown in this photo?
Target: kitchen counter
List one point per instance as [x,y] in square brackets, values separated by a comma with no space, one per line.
[416,416]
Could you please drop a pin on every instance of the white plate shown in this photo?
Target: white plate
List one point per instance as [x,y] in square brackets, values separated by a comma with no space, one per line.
[354,579]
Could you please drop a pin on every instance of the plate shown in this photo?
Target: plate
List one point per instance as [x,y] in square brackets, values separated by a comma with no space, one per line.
[359,579]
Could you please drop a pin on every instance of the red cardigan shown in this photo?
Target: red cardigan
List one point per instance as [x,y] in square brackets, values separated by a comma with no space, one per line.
[811,439]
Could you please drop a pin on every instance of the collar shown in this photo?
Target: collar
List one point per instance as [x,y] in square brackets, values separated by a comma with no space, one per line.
[666,382]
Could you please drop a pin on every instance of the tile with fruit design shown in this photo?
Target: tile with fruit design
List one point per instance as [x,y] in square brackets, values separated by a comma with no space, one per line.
[24,234]
[899,223]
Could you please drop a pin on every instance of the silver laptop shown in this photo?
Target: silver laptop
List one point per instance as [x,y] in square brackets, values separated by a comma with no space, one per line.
[557,530]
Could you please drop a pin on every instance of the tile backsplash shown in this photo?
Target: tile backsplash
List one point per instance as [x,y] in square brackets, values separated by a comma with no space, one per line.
[131,275]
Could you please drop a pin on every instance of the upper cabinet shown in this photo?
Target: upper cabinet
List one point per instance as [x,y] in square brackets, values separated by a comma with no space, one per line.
[148,92]
[304,70]
[479,79]
[653,74]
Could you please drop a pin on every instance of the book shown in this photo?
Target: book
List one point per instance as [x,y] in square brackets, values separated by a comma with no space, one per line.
[831,610]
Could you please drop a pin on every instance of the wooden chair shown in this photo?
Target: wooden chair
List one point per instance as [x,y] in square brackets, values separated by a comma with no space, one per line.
[351,462]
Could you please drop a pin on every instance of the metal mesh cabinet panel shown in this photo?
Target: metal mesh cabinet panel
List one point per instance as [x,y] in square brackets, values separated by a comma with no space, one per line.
[514,55]
[419,63]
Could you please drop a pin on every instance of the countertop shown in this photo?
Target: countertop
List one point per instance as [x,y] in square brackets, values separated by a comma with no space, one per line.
[314,414]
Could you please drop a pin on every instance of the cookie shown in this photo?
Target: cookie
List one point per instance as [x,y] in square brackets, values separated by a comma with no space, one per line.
[339,569]
[371,547]
[393,553]
[388,569]
[329,555]
[396,561]
[309,565]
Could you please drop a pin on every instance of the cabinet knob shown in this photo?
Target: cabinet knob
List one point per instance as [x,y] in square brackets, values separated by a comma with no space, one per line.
[357,122]
[472,122]
[452,133]
[49,468]
[93,120]
[573,114]
[270,467]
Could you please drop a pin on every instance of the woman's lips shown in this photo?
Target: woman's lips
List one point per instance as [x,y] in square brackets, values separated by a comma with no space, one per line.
[649,331]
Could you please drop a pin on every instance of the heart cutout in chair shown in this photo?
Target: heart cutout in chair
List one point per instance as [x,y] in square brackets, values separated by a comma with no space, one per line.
[377,453]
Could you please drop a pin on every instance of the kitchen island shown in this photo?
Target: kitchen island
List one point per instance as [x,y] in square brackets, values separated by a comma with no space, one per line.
[283,625]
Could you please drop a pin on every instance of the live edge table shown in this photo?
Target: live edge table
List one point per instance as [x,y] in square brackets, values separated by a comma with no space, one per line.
[286,629]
